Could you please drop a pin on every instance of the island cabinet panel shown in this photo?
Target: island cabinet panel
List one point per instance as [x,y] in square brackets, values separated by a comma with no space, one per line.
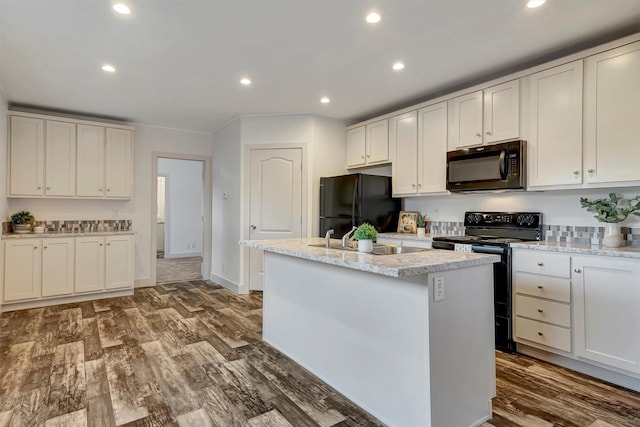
[22,269]
[612,116]
[607,311]
[58,266]
[60,164]
[555,126]
[90,154]
[26,156]
[90,264]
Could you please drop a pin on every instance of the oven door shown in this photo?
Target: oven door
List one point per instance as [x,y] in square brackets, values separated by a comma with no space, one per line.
[502,295]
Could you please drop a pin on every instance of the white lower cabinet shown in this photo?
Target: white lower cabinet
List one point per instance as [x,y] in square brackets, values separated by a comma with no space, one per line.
[607,310]
[39,269]
[57,266]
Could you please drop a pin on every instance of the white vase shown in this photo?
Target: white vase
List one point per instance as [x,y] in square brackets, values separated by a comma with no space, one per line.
[612,235]
[421,231]
[365,246]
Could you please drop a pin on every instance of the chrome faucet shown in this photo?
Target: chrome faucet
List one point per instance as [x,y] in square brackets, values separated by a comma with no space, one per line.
[328,238]
[348,237]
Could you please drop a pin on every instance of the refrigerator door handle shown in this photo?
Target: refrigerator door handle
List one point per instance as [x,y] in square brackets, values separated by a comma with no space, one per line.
[353,203]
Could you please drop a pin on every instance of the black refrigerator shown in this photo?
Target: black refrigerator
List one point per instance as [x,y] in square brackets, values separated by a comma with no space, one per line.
[350,200]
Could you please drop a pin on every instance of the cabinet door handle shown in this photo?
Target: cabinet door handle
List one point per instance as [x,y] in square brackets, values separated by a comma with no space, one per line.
[540,334]
[253,227]
[591,170]
[100,189]
[39,188]
[108,189]
[362,157]
[576,172]
[540,286]
[478,135]
[489,133]
[577,270]
[48,188]
[419,185]
[368,155]
[413,185]
[540,310]
[540,263]
[35,247]
[100,244]
[108,244]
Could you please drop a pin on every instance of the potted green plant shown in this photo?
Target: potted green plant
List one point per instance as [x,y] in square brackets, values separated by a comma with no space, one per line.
[365,235]
[612,212]
[421,222]
[21,221]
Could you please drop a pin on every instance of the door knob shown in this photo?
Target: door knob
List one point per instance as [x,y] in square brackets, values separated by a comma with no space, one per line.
[253,227]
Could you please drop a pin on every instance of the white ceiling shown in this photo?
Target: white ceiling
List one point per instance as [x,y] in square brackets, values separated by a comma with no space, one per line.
[179,62]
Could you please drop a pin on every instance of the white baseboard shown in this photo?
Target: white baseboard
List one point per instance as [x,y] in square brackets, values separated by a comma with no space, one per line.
[232,286]
[182,254]
[143,283]
[65,300]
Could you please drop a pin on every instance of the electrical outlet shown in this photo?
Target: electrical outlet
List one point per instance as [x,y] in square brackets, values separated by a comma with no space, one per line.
[438,289]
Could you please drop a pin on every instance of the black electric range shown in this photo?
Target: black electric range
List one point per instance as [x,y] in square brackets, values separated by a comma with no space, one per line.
[493,232]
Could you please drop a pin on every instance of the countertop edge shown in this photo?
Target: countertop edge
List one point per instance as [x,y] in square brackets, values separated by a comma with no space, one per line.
[581,249]
[13,236]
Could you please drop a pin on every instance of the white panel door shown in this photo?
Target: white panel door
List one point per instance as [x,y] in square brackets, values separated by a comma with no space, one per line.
[90,264]
[404,165]
[118,262]
[58,266]
[377,138]
[465,121]
[356,147]
[118,169]
[502,112]
[22,269]
[607,311]
[432,149]
[90,157]
[275,210]
[612,115]
[60,169]
[26,159]
[555,126]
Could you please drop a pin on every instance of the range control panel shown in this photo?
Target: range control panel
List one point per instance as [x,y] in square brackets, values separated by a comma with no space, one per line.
[503,219]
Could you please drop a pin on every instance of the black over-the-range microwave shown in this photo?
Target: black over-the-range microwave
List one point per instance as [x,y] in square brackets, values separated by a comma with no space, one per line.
[490,167]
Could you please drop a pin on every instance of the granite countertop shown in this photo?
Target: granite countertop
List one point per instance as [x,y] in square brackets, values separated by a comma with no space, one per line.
[410,264]
[408,236]
[580,248]
[53,234]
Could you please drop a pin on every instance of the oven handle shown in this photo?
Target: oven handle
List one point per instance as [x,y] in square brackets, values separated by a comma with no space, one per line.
[488,250]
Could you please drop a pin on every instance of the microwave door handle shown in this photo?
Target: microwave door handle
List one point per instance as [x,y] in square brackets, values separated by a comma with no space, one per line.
[503,165]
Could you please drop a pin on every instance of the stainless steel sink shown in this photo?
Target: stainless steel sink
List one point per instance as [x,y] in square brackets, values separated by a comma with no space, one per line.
[378,249]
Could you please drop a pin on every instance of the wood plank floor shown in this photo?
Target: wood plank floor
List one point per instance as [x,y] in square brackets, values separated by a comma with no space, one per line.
[190,354]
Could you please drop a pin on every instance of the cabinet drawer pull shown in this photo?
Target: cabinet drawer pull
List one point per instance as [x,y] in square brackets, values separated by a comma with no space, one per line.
[540,263]
[577,270]
[539,286]
[540,334]
[540,310]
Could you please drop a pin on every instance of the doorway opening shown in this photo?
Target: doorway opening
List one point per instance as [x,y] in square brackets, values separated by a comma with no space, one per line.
[181,242]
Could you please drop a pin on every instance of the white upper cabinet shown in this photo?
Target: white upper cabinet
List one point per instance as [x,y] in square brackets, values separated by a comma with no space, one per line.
[60,165]
[502,112]
[612,116]
[90,153]
[403,138]
[26,156]
[418,142]
[368,145]
[465,115]
[555,126]
[432,149]
[118,163]
[485,116]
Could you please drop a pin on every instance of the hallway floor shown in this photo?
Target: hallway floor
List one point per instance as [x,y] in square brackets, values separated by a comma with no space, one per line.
[177,269]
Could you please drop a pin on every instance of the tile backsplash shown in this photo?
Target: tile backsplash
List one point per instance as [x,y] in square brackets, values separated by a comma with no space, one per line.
[77,226]
[452,228]
[587,235]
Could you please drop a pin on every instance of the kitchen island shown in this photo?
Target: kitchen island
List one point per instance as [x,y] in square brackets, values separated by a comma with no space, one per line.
[372,327]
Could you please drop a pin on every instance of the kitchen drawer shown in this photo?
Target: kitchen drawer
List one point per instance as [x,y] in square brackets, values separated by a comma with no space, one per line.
[537,285]
[543,333]
[539,262]
[543,310]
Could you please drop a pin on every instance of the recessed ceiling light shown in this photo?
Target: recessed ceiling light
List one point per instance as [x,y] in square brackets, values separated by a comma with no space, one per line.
[535,3]
[245,81]
[325,100]
[398,66]
[109,68]
[121,8]
[373,18]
